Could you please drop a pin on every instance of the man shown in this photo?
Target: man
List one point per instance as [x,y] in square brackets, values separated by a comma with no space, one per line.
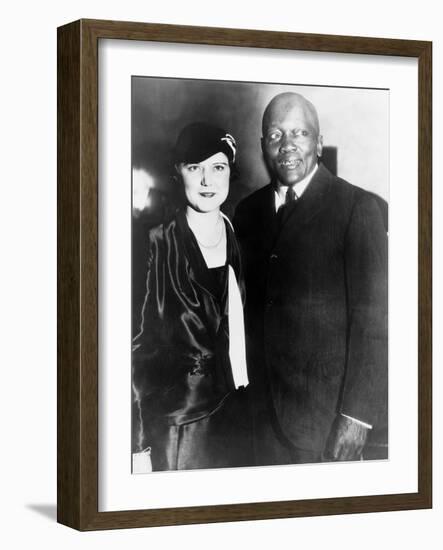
[315,250]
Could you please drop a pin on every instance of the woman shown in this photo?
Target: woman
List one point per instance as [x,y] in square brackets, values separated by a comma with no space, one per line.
[188,384]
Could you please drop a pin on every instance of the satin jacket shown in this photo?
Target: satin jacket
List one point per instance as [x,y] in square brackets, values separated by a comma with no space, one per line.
[181,366]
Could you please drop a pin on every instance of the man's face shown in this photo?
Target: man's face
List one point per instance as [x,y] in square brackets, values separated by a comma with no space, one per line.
[291,140]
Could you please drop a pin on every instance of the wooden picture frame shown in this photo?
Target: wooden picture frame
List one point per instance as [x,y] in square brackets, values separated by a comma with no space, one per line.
[77,480]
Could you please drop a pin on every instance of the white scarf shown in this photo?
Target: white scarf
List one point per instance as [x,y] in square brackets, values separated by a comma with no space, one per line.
[237,347]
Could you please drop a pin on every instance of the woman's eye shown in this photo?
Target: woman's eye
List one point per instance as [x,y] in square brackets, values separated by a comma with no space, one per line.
[192,167]
[219,167]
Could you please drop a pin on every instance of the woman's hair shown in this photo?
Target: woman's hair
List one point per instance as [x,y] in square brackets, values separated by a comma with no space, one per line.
[197,142]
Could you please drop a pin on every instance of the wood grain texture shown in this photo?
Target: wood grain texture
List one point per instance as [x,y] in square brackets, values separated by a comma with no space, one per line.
[89,275]
[78,274]
[425,273]
[254,38]
[68,275]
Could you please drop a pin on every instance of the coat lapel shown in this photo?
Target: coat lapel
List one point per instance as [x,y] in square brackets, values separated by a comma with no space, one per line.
[270,229]
[313,200]
[197,268]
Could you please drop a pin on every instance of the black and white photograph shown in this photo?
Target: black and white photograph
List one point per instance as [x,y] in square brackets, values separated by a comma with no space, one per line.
[259,274]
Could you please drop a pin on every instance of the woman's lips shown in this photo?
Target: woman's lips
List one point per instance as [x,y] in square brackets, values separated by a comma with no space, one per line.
[207,194]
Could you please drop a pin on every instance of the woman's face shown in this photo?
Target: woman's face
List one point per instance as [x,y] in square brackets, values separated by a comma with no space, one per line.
[206,183]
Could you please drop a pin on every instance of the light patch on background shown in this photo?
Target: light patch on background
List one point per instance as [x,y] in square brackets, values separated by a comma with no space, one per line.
[142,183]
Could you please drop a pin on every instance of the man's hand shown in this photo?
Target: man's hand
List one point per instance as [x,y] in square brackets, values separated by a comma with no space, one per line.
[346,440]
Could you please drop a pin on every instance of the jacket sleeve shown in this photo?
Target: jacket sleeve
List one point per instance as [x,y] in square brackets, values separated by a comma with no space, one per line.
[147,367]
[366,259]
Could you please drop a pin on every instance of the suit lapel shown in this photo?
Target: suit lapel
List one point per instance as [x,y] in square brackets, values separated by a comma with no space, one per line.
[313,200]
[271,221]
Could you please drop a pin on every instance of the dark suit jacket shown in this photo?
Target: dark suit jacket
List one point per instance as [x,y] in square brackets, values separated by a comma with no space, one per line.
[316,305]
[181,366]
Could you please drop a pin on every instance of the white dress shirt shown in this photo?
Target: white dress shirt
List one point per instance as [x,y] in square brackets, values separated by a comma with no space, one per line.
[299,189]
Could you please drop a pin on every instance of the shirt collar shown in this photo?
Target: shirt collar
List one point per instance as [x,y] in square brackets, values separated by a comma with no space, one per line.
[299,188]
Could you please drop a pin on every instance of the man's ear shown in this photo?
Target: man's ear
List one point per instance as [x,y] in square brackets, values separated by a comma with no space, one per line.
[319,145]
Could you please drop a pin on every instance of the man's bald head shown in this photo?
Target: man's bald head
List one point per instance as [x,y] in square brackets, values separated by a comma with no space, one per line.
[287,101]
[291,141]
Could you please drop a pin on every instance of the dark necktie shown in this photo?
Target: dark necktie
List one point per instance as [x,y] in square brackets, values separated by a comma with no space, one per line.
[290,195]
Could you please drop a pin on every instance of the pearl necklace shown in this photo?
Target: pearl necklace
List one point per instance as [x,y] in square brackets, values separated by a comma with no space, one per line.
[219,239]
